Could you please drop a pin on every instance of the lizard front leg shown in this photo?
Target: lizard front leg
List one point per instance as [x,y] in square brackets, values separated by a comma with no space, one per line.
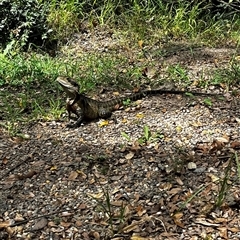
[80,115]
[71,108]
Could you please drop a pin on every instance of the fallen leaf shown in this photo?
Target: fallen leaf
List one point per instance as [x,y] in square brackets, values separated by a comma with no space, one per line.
[40,224]
[5,161]
[205,223]
[28,175]
[216,145]
[97,195]
[140,43]
[223,232]
[177,219]
[140,115]
[233,229]
[178,129]
[132,226]
[124,120]
[73,175]
[53,168]
[196,124]
[82,174]
[235,145]
[96,235]
[224,139]
[129,156]
[135,237]
[140,211]
[65,224]
[116,93]
[213,177]
[103,123]
[6,223]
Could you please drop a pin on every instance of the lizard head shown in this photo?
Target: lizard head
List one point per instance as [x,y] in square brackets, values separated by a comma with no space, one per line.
[69,86]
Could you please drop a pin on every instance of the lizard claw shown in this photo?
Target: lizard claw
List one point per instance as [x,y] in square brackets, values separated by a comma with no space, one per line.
[72,125]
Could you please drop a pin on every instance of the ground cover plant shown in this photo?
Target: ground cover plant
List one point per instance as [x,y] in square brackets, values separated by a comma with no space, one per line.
[163,167]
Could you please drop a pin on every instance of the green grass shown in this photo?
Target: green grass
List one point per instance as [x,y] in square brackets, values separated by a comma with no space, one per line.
[30,92]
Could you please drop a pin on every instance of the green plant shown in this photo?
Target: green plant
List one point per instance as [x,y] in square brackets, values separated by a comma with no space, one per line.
[24,22]
[113,213]
[238,164]
[126,136]
[63,18]
[178,74]
[184,204]
[224,186]
[148,136]
[208,101]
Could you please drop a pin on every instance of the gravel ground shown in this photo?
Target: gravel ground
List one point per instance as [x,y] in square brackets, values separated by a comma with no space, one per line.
[94,183]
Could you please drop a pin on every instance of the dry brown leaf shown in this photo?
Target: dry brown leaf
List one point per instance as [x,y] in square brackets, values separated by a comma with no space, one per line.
[235,145]
[73,175]
[177,219]
[223,232]
[124,120]
[53,168]
[40,224]
[220,220]
[117,203]
[196,124]
[96,235]
[65,224]
[6,224]
[203,148]
[174,191]
[129,156]
[233,229]
[116,93]
[216,145]
[52,224]
[140,210]
[82,174]
[135,237]
[213,177]
[28,175]
[205,223]
[18,217]
[97,195]
[82,206]
[135,146]
[179,181]
[223,139]
[132,226]
[179,223]
[5,161]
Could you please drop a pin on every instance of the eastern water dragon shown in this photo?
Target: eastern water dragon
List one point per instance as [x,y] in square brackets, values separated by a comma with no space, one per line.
[89,109]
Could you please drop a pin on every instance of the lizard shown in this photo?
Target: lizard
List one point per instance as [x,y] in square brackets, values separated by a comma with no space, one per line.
[88,109]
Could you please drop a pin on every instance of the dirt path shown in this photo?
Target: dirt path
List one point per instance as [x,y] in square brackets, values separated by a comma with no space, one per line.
[166,187]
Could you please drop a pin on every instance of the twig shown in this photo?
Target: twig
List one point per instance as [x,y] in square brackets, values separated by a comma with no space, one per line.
[36,217]
[17,165]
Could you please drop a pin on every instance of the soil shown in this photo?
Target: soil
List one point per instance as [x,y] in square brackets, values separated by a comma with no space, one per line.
[166,167]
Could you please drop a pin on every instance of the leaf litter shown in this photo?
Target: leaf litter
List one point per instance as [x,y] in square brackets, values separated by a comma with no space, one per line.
[168,169]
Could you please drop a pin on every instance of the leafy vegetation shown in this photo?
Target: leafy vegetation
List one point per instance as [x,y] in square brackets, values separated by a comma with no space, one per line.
[24,22]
